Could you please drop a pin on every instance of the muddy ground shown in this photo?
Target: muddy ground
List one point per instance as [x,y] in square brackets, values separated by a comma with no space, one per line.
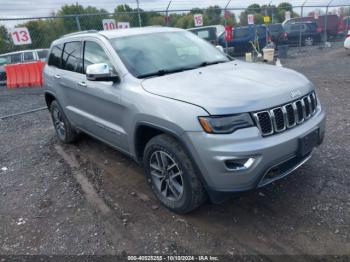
[87,198]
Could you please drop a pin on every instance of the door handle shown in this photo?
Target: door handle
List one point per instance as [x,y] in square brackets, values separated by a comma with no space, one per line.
[58,76]
[82,84]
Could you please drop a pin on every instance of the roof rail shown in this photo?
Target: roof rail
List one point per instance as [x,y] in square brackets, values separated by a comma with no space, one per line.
[80,32]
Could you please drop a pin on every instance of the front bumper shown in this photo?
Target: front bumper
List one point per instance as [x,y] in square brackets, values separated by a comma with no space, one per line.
[211,153]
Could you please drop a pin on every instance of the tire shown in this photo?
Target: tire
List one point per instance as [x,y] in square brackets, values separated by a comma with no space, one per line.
[178,188]
[309,41]
[64,130]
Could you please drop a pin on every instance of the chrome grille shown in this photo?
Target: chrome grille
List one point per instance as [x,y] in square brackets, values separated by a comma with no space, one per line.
[278,119]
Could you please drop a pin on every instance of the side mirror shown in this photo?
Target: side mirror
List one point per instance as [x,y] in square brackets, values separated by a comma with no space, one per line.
[220,48]
[100,72]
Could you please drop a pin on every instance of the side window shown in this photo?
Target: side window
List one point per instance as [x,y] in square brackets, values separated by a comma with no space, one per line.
[94,54]
[16,58]
[241,33]
[42,54]
[71,57]
[297,27]
[28,56]
[203,34]
[3,60]
[55,56]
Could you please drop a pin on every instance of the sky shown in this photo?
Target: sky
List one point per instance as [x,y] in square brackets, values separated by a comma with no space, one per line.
[30,8]
[34,8]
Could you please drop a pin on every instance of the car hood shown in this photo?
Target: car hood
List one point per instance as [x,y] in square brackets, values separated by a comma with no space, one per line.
[231,87]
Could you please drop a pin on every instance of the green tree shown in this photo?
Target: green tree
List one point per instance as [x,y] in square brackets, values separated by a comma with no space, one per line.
[230,18]
[253,9]
[212,15]
[5,42]
[282,8]
[124,13]
[185,21]
[196,11]
[87,22]
[277,13]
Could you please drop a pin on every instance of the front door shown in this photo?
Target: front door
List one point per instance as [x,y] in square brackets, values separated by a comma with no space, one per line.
[98,103]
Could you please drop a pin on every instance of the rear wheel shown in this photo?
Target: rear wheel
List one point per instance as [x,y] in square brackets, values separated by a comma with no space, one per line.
[172,175]
[309,41]
[63,128]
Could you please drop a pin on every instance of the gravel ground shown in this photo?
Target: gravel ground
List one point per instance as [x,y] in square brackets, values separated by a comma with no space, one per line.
[87,198]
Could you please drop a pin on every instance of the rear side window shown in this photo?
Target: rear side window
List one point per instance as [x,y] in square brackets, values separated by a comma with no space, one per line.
[55,56]
[297,27]
[16,58]
[275,28]
[3,60]
[28,56]
[203,34]
[261,31]
[42,54]
[71,57]
[241,32]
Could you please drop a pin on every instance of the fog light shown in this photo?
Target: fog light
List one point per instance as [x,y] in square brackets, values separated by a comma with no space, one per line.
[239,164]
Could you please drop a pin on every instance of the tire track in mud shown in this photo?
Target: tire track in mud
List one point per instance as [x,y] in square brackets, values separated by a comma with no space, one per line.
[112,221]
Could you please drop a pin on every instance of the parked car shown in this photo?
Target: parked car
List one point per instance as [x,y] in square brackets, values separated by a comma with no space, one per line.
[200,123]
[244,35]
[276,32]
[3,62]
[209,33]
[331,23]
[347,41]
[344,26]
[309,33]
[24,56]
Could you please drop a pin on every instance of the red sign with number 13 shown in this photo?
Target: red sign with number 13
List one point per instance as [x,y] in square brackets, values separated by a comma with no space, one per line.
[21,36]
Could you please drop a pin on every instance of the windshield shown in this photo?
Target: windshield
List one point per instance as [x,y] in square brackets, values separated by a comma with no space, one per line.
[163,53]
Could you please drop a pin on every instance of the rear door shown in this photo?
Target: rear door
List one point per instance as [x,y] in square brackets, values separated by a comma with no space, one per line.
[294,33]
[52,72]
[70,76]
[241,38]
[97,103]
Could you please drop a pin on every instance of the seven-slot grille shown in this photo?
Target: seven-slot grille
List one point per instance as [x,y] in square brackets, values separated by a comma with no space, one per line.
[280,118]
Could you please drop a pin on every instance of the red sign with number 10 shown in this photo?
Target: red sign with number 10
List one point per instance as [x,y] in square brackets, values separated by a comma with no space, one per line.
[21,36]
[109,24]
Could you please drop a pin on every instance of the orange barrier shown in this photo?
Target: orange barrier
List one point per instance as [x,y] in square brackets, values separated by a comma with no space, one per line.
[25,75]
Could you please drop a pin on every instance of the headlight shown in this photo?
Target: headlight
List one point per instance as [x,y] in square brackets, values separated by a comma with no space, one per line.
[225,124]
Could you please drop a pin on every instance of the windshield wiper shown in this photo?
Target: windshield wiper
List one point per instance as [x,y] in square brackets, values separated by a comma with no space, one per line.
[210,63]
[163,72]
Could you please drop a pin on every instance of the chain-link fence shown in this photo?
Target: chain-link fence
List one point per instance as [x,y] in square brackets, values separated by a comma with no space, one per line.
[304,24]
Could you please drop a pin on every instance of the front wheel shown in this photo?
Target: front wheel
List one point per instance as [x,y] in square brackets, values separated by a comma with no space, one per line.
[172,175]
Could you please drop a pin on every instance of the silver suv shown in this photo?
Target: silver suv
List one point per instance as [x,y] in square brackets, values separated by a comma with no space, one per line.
[200,123]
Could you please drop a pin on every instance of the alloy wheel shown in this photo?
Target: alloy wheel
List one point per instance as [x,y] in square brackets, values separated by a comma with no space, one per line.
[166,175]
[309,41]
[58,122]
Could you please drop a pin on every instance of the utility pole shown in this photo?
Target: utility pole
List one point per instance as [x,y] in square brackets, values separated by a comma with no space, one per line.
[167,14]
[78,22]
[138,12]
[77,17]
[269,6]
[326,23]
[300,22]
